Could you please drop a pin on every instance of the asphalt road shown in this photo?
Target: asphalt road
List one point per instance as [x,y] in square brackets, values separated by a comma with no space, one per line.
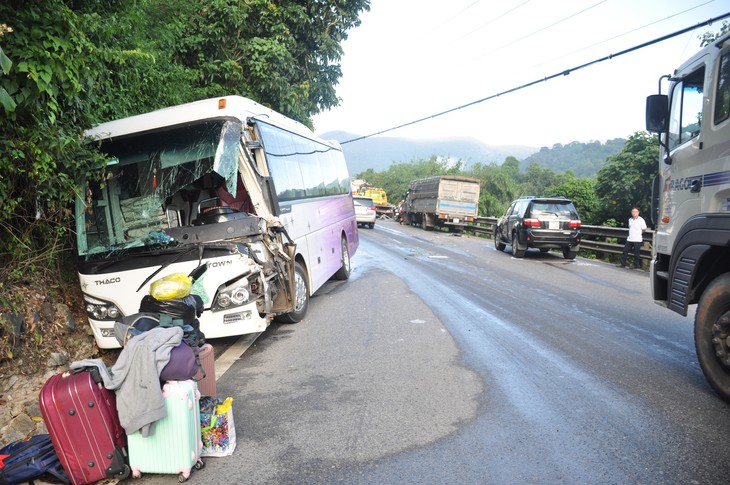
[442,360]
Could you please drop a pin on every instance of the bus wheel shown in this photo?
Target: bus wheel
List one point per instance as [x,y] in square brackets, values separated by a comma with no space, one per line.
[712,335]
[344,272]
[301,299]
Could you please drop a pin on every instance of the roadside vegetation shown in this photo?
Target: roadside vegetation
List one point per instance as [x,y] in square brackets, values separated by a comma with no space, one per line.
[622,182]
[66,65]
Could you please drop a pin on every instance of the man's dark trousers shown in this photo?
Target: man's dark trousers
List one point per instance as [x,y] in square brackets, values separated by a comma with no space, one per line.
[637,253]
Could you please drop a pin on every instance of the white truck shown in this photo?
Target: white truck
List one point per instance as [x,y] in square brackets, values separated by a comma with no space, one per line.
[691,203]
[436,201]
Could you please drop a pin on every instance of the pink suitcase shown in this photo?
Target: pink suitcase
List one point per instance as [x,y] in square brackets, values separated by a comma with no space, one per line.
[81,417]
[206,385]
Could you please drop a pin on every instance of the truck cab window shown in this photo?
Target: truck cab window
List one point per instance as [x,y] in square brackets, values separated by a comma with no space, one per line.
[686,110]
[722,96]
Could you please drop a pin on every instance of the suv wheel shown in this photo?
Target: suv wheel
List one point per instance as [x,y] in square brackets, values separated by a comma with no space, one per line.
[568,254]
[516,251]
[498,244]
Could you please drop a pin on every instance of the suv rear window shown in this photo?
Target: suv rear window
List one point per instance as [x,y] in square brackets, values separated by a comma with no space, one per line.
[564,209]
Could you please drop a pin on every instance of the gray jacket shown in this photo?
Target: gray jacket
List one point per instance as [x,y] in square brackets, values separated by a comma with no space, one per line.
[136,377]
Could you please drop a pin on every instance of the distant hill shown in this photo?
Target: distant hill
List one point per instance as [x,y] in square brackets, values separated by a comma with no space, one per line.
[583,159]
[379,152]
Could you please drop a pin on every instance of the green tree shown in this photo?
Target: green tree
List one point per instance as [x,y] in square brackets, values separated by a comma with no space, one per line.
[498,186]
[395,180]
[536,180]
[283,54]
[582,192]
[66,65]
[625,180]
[708,38]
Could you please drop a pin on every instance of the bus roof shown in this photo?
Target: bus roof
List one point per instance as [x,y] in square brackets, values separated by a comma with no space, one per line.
[236,107]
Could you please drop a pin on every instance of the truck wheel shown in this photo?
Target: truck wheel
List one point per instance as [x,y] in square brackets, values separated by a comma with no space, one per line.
[516,251]
[712,335]
[423,222]
[568,253]
[344,272]
[301,299]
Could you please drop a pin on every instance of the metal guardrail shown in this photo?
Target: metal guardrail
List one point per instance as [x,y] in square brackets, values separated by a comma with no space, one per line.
[599,239]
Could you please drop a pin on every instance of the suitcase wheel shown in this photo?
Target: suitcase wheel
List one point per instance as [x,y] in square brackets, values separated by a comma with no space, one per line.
[199,464]
[182,478]
[124,474]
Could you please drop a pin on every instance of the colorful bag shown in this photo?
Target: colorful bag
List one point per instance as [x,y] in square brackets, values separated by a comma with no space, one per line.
[216,426]
[29,458]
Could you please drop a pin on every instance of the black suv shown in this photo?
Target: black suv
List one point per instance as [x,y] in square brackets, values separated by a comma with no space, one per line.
[539,222]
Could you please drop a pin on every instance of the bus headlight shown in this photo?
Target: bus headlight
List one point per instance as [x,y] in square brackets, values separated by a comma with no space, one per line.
[232,296]
[101,310]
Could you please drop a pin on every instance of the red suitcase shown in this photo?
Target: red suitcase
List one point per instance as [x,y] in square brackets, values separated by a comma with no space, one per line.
[206,385]
[81,417]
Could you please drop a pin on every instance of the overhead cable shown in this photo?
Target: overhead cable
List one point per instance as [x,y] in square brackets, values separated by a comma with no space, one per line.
[489,22]
[547,78]
[624,34]
[540,30]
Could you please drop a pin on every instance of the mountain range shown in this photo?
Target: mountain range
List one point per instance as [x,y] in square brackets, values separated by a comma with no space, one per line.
[380,152]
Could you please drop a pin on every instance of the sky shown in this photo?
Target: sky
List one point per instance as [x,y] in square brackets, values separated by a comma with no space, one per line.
[411,59]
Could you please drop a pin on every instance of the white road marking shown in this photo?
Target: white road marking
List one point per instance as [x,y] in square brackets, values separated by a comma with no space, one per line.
[233,353]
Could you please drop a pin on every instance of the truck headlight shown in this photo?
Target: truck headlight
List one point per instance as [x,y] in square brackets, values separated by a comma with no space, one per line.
[101,310]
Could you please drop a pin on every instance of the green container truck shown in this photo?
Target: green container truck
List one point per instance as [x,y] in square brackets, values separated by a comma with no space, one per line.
[442,201]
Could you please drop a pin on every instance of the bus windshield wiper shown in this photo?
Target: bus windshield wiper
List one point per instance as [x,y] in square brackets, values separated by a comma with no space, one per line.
[164,265]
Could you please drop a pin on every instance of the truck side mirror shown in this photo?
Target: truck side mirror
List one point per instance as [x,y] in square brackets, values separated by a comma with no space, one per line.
[657,113]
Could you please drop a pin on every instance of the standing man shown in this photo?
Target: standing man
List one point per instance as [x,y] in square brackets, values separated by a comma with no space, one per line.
[637,226]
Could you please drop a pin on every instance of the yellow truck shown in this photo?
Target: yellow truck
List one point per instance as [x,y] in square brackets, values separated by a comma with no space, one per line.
[382,208]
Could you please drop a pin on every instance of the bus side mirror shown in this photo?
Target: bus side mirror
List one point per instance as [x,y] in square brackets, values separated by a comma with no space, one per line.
[657,113]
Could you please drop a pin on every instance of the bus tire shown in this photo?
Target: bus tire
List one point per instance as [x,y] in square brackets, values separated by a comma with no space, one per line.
[712,329]
[344,272]
[301,299]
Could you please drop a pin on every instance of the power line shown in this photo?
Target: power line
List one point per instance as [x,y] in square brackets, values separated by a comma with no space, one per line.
[623,34]
[546,78]
[459,13]
[489,22]
[539,30]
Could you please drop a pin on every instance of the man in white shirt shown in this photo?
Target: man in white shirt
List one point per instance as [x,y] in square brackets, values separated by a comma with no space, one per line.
[637,226]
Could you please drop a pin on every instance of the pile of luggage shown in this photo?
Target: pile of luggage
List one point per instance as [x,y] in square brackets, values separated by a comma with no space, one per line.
[142,414]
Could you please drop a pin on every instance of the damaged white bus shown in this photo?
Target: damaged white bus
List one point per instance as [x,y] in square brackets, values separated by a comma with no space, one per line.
[226,183]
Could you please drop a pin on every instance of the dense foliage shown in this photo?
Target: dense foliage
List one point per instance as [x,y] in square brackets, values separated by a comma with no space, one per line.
[625,180]
[66,65]
[582,159]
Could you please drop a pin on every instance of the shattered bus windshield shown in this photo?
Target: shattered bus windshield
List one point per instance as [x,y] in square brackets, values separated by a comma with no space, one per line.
[149,176]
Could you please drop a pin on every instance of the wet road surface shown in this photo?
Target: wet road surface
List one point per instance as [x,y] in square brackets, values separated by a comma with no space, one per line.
[443,360]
